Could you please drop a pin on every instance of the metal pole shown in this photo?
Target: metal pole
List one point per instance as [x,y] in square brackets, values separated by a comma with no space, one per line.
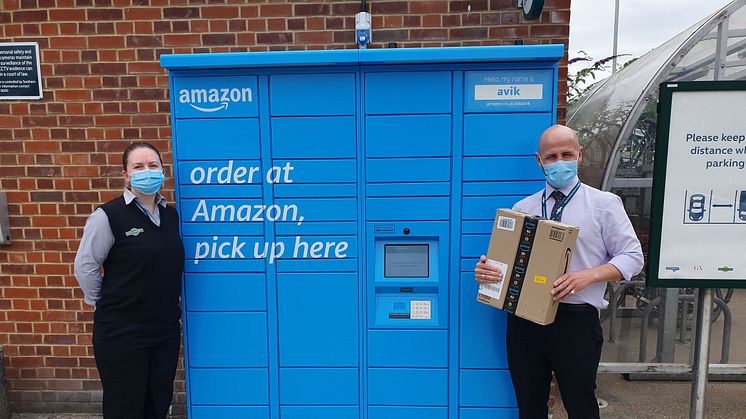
[616,36]
[720,49]
[667,326]
[701,354]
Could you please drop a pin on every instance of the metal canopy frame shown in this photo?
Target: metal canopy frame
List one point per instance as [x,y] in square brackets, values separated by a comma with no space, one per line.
[666,72]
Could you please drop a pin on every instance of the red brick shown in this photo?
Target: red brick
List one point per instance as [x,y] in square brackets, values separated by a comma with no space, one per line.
[503,4]
[61,361]
[143,13]
[220,12]
[508,32]
[20,293]
[143,120]
[74,95]
[136,41]
[105,42]
[49,29]
[81,171]
[388,22]
[560,17]
[314,37]
[19,362]
[388,8]
[31,29]
[67,42]
[181,13]
[124,28]
[68,15]
[237,25]
[428,7]
[468,33]
[412,20]
[27,316]
[104,14]
[59,339]
[556,4]
[36,16]
[315,9]
[199,26]
[274,38]
[249,11]
[279,25]
[276,10]
[472,19]
[144,67]
[549,30]
[8,121]
[219,39]
[469,5]
[428,34]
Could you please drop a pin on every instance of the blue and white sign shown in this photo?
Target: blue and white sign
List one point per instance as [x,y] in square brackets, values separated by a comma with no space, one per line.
[509,91]
[215,97]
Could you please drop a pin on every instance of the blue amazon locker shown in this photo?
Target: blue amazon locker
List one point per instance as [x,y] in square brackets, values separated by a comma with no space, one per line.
[333,205]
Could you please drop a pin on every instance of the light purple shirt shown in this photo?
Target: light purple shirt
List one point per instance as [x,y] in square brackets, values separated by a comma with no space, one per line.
[95,244]
[606,235]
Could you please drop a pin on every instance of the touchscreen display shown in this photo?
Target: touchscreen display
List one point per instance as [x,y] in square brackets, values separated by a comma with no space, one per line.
[406,260]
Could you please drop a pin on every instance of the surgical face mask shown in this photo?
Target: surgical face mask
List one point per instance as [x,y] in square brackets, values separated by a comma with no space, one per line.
[560,173]
[147,181]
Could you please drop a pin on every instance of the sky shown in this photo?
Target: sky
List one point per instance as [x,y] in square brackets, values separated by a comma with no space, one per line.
[643,25]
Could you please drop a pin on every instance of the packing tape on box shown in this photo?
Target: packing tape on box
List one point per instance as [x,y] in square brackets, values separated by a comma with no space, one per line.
[522,256]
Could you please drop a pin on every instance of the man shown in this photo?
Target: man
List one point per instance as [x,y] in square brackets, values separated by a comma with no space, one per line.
[607,249]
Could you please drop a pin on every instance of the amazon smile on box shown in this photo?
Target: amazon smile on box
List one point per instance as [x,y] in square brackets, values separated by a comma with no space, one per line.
[531,252]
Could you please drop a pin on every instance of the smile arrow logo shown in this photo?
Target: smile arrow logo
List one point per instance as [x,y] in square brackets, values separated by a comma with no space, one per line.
[134,232]
[224,105]
[725,269]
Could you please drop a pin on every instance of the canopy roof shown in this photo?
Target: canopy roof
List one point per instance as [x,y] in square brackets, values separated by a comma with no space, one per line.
[616,118]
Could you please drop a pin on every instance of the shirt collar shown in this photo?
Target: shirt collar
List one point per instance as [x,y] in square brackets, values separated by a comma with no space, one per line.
[130,196]
[566,190]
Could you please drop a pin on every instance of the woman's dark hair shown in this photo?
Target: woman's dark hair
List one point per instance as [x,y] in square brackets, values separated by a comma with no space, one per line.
[135,146]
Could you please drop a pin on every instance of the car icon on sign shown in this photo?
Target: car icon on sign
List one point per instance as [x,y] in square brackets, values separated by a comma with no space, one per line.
[696,207]
[742,206]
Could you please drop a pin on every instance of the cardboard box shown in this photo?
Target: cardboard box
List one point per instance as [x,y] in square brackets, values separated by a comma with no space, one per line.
[531,252]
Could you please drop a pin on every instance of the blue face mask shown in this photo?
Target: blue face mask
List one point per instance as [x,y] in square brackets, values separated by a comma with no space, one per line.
[560,173]
[147,181]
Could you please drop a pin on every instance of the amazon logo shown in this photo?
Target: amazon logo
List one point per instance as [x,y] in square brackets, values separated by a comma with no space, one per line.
[213,100]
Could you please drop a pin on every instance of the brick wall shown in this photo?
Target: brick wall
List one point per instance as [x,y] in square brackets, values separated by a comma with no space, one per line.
[103,88]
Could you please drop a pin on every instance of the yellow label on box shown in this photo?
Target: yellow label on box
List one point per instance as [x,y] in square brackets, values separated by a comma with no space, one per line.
[540,279]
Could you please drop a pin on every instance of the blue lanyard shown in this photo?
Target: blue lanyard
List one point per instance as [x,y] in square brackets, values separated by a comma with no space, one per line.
[557,213]
[144,210]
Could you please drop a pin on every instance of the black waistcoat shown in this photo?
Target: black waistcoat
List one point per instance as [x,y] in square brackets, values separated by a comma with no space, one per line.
[142,273]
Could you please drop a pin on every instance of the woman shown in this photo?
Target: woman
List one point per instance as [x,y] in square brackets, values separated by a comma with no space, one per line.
[135,239]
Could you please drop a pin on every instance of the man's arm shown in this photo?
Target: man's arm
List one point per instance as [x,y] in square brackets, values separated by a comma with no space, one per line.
[621,244]
[572,282]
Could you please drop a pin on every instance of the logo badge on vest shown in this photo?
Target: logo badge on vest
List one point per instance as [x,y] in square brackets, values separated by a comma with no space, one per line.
[134,232]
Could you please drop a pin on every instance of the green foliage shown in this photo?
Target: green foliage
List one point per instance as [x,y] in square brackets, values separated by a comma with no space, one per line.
[581,81]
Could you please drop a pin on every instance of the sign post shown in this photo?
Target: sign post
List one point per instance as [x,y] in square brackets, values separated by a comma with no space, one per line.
[698,221]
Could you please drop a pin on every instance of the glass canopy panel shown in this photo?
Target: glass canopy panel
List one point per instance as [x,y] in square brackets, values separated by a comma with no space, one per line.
[599,118]
[636,329]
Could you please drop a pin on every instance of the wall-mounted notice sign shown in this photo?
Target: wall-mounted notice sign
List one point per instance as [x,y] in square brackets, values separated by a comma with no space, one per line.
[20,71]
[698,230]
